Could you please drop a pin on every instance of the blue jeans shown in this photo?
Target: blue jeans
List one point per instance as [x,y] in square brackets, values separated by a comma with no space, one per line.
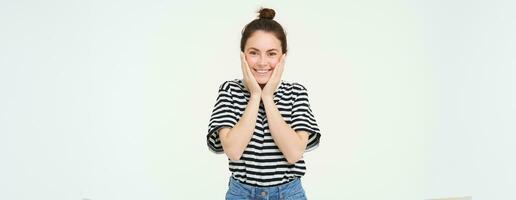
[292,190]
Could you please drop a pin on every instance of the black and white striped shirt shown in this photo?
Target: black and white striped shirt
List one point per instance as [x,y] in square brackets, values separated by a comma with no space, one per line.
[262,163]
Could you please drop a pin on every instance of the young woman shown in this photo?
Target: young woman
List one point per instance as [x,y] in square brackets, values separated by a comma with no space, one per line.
[262,123]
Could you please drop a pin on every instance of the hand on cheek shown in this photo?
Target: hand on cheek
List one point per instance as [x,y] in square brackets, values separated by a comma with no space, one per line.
[274,80]
[249,81]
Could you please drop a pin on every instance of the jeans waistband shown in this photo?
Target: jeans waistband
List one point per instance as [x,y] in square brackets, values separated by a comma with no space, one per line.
[280,187]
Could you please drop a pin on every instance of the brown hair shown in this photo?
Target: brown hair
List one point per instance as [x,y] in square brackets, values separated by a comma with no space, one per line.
[265,23]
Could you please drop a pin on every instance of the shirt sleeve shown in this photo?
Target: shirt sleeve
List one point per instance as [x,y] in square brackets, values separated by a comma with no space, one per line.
[223,115]
[303,118]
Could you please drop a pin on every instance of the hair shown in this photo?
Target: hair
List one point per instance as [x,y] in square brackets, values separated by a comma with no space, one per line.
[264,22]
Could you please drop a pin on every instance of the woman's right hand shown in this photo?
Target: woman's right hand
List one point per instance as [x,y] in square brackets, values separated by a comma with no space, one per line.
[249,81]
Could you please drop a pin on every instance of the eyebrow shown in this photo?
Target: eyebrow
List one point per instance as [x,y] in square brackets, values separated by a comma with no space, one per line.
[252,48]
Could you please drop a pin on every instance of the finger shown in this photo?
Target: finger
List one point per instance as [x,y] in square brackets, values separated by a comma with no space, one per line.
[246,66]
[282,60]
[243,64]
[282,65]
[278,70]
[249,71]
[246,70]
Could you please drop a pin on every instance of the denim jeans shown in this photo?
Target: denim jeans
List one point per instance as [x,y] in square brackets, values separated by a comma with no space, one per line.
[292,190]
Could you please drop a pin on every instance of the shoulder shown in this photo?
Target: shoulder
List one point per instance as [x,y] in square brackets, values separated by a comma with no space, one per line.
[295,87]
[231,85]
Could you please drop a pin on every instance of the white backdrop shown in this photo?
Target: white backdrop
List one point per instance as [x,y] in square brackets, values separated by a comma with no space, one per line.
[104,100]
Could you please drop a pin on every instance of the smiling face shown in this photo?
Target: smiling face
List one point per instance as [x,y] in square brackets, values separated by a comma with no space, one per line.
[263,53]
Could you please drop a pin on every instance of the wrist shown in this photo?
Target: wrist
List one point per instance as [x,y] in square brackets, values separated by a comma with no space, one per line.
[266,97]
[256,96]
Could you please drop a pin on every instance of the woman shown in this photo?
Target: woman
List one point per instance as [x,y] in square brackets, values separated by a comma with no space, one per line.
[263,124]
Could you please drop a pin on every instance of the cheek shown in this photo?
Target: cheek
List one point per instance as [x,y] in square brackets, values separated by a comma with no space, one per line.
[250,61]
[274,64]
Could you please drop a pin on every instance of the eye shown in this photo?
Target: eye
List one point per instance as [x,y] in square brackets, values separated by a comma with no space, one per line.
[252,52]
[272,54]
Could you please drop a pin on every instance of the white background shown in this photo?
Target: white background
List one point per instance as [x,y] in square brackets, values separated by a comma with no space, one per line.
[105,100]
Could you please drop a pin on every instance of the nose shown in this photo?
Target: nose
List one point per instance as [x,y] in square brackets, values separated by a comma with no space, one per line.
[262,61]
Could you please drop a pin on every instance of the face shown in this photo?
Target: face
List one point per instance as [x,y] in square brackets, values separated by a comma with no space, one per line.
[263,53]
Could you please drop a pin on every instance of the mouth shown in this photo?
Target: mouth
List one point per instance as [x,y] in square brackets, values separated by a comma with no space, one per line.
[262,72]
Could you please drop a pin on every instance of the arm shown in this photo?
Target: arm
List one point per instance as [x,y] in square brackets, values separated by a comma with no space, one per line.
[234,140]
[291,143]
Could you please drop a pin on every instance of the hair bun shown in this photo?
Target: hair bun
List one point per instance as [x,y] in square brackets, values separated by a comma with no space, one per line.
[266,13]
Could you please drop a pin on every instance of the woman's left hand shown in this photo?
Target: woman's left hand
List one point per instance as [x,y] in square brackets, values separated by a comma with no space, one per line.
[273,83]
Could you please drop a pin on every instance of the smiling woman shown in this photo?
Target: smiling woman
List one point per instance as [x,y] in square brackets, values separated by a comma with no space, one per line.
[263,124]
[263,42]
[262,55]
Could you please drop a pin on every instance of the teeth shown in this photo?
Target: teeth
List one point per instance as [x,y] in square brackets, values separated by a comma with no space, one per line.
[262,71]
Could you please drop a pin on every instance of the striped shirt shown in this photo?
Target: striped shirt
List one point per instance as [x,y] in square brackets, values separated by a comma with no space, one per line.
[262,163]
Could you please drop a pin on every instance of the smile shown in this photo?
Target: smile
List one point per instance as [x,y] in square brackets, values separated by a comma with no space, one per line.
[262,72]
